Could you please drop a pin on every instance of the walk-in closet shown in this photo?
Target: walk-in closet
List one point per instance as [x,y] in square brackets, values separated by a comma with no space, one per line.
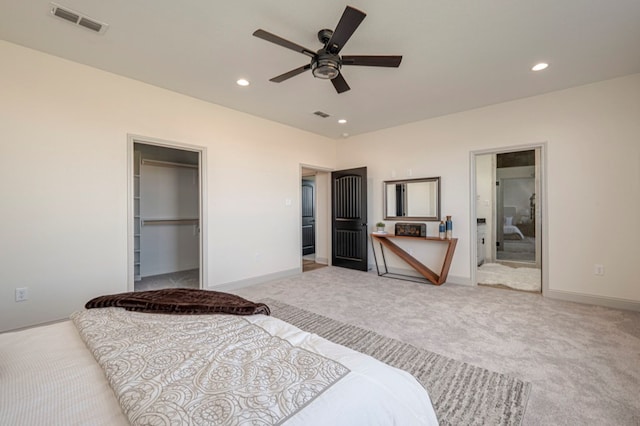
[166,199]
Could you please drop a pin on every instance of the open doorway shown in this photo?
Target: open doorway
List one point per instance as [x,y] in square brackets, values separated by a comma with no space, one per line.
[508,217]
[165,216]
[314,218]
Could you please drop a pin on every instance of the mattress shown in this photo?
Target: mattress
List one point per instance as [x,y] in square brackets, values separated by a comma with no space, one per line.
[50,377]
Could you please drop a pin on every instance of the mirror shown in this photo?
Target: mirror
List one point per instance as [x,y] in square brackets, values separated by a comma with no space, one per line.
[412,199]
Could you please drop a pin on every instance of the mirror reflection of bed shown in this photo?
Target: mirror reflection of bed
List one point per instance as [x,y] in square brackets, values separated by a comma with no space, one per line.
[518,233]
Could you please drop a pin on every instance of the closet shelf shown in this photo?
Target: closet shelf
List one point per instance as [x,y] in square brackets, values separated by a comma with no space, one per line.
[168,164]
[146,222]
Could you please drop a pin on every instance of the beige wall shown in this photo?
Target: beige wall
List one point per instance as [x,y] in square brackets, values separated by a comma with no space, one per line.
[593,177]
[63,182]
[485,184]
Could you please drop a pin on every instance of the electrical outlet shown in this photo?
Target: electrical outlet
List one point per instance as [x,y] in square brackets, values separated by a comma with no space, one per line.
[22,294]
[598,269]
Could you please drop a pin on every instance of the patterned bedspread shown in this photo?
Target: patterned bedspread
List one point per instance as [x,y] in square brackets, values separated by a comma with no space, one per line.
[202,369]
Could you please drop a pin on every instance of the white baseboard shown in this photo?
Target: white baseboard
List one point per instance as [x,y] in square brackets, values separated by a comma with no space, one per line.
[459,280]
[262,279]
[41,324]
[322,260]
[609,302]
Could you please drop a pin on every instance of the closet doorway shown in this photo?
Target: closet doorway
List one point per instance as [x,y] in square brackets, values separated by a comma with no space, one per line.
[314,216]
[508,215]
[166,199]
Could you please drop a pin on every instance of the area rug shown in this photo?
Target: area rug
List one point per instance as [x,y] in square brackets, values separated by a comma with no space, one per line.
[526,279]
[462,394]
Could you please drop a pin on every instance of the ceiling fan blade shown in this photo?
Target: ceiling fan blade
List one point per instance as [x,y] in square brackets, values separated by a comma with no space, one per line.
[292,73]
[340,84]
[372,61]
[350,20]
[282,42]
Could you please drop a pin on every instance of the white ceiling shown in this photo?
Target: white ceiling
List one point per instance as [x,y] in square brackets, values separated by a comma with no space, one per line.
[458,54]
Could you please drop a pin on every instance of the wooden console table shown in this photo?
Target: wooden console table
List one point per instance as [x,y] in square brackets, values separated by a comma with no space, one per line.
[431,276]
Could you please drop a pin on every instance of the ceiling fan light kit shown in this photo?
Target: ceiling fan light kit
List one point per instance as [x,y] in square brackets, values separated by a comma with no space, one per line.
[326,69]
[326,63]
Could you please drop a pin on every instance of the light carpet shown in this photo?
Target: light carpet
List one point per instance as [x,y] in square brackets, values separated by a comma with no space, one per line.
[518,250]
[462,394]
[181,279]
[581,360]
[526,279]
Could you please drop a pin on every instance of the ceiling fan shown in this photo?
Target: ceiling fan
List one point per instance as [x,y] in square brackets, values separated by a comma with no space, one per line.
[326,62]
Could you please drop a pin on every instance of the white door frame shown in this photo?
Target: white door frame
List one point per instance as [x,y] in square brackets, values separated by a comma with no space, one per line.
[540,198]
[325,173]
[203,209]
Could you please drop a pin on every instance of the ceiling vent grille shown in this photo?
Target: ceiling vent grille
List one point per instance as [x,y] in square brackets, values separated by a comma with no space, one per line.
[321,114]
[78,19]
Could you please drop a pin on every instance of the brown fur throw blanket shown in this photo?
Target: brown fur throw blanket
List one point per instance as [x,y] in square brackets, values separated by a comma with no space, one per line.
[183,301]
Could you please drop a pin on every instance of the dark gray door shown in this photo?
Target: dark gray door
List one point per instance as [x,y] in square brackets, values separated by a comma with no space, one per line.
[349,218]
[308,216]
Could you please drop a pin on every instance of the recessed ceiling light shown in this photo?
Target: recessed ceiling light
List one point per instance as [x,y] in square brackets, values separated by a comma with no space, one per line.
[342,121]
[345,135]
[539,67]
[242,82]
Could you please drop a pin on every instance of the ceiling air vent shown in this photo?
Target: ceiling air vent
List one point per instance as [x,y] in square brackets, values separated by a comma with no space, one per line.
[78,18]
[321,114]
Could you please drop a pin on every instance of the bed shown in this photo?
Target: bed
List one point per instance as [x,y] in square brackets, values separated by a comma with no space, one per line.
[113,366]
[509,229]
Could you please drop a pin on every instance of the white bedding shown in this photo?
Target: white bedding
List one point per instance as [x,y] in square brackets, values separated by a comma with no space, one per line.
[48,376]
[512,229]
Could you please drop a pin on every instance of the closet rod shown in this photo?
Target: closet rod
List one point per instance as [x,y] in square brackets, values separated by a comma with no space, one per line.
[170,222]
[168,164]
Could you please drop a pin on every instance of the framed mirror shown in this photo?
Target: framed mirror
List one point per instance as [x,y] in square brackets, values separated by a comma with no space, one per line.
[412,199]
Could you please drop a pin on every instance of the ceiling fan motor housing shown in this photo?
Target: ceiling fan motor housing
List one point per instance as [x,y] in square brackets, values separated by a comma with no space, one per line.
[326,65]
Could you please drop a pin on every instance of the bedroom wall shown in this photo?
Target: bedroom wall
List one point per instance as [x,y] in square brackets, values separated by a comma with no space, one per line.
[485,184]
[63,181]
[592,168]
